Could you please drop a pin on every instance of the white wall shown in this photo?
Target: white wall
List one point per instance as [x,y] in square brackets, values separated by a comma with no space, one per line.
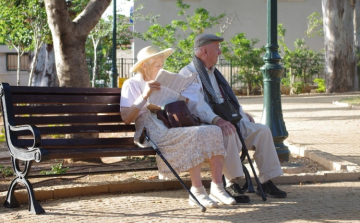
[250,18]
[10,76]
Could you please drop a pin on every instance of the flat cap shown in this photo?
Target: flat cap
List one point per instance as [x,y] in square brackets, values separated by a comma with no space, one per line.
[205,39]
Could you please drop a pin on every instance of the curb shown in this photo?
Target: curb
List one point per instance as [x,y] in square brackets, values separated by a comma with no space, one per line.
[138,186]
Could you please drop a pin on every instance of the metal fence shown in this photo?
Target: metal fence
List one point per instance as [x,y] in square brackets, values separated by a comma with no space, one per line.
[227,68]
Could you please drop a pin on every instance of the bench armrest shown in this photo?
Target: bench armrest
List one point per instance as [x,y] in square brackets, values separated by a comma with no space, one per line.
[31,153]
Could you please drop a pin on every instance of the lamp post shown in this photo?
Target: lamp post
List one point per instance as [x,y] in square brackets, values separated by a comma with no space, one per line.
[114,73]
[272,71]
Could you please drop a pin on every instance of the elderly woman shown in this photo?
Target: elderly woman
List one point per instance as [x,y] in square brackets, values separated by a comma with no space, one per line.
[185,148]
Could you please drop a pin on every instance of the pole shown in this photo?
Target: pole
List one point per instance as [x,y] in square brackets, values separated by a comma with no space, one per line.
[114,74]
[272,72]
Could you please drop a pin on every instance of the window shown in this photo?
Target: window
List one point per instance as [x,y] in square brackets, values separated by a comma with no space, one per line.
[11,61]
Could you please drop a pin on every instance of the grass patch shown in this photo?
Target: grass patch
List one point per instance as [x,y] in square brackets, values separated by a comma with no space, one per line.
[351,100]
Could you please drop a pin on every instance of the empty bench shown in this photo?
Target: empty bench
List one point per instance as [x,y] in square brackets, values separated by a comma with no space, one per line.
[32,113]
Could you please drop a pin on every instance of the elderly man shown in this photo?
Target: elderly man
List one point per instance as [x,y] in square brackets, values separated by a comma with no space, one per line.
[256,136]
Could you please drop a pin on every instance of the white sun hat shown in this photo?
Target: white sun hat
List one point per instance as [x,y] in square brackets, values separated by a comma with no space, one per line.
[147,53]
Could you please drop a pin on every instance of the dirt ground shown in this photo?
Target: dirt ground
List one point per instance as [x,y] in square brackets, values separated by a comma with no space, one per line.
[124,169]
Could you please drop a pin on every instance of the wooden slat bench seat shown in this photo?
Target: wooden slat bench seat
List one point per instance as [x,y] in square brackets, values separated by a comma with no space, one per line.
[31,114]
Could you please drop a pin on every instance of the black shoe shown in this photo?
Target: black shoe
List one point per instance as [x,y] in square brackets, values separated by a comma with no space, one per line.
[237,193]
[271,190]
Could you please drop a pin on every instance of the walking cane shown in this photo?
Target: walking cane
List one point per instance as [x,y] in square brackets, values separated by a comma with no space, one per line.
[143,136]
[245,150]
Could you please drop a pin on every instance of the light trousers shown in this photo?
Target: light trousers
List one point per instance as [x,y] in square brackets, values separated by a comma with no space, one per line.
[257,137]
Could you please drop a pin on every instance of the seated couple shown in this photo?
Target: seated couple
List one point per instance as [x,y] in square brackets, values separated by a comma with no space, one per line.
[186,148]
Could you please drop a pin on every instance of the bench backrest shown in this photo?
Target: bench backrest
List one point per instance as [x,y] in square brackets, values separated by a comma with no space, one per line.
[59,110]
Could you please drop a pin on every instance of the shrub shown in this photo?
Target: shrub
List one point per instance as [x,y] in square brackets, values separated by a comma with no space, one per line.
[321,85]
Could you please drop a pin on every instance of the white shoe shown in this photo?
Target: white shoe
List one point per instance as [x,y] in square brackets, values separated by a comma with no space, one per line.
[202,197]
[218,193]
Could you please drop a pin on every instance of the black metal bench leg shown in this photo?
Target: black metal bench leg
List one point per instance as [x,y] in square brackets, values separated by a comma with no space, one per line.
[34,206]
[11,201]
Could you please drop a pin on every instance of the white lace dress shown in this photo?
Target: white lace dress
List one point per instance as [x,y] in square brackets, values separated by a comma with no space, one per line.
[183,147]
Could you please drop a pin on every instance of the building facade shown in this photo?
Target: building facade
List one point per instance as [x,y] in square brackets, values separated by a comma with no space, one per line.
[249,17]
[8,66]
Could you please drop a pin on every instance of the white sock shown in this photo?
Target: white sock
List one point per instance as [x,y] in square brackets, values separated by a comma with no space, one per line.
[218,193]
[202,197]
[228,183]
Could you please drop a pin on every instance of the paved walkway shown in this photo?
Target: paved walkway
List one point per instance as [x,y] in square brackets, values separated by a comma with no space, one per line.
[326,132]
[318,127]
[329,202]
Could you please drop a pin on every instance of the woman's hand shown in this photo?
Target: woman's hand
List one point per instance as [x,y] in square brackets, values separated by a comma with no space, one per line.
[150,87]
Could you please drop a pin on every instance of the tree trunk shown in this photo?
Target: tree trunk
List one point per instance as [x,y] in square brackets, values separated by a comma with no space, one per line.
[357,42]
[95,42]
[18,69]
[39,67]
[33,64]
[45,71]
[340,59]
[69,39]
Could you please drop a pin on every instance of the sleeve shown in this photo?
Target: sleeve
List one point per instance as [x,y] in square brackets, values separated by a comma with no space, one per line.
[201,109]
[129,94]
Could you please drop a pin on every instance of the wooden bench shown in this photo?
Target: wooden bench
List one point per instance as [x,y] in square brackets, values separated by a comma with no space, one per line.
[31,113]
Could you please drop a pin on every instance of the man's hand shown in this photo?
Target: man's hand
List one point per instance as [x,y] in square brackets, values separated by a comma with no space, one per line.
[226,127]
[250,118]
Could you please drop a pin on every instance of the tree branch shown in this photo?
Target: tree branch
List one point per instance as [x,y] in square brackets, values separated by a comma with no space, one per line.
[90,16]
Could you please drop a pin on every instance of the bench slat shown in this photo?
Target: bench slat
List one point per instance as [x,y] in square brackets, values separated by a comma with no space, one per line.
[66,99]
[66,109]
[67,153]
[78,142]
[75,119]
[80,129]
[23,90]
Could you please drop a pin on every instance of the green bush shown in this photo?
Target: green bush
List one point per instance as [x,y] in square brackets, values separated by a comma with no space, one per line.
[6,171]
[56,169]
[321,85]
[298,87]
[2,135]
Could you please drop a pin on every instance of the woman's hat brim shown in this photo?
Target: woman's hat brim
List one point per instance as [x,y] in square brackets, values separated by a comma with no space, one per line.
[167,52]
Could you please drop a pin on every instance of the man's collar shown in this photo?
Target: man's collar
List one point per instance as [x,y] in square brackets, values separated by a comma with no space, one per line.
[212,69]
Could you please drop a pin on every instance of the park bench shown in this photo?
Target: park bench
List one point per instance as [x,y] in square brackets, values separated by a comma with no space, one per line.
[41,111]
[32,113]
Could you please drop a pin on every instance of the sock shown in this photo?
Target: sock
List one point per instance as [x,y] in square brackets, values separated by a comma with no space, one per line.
[218,193]
[202,197]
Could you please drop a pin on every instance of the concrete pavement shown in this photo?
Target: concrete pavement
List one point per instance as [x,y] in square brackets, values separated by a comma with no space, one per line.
[326,132]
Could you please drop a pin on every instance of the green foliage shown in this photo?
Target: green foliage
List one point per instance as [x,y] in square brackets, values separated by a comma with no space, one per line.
[180,34]
[321,85]
[15,27]
[301,62]
[242,53]
[99,44]
[6,171]
[298,87]
[315,25]
[2,135]
[56,169]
